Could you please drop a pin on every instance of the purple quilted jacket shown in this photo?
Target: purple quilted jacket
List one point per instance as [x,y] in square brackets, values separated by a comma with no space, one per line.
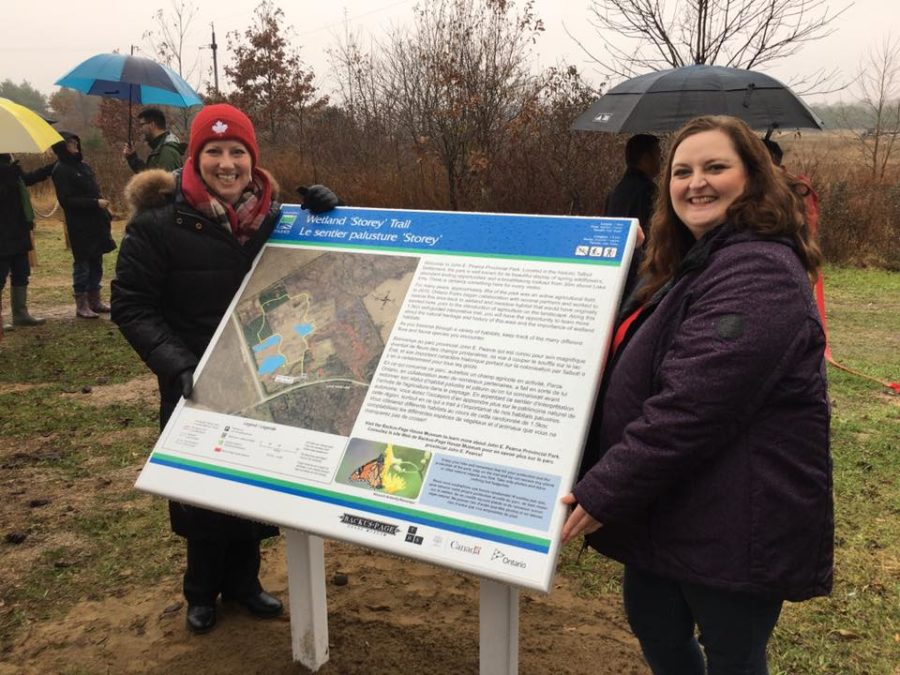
[713,434]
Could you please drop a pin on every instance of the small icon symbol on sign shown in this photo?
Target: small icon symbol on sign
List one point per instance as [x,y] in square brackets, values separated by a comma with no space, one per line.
[596,251]
[610,252]
[581,250]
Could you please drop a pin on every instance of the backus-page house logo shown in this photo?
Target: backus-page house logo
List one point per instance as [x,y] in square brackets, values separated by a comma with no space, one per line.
[506,560]
[363,523]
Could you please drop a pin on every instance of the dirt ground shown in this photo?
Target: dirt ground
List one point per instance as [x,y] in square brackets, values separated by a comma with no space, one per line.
[426,624]
[393,615]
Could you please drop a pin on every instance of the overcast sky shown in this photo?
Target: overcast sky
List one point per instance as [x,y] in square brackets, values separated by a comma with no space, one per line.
[40,44]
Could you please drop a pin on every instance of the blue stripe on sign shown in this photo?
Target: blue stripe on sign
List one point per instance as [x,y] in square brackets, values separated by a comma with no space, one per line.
[334,498]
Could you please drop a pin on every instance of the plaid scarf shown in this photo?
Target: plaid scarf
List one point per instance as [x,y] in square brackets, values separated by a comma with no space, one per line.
[242,219]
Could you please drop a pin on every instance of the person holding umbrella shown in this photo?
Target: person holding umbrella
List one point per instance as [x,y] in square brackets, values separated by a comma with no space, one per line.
[165,148]
[88,222]
[16,224]
[707,470]
[191,239]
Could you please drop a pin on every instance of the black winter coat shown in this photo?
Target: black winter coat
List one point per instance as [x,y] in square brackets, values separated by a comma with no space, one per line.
[176,274]
[87,223]
[633,197]
[15,228]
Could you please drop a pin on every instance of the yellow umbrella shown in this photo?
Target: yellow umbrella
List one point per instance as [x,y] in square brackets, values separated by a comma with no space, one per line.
[22,130]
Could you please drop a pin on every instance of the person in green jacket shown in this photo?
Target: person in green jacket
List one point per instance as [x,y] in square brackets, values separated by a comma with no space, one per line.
[166,150]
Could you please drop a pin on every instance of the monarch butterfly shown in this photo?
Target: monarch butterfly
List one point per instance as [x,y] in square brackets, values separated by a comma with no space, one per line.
[370,473]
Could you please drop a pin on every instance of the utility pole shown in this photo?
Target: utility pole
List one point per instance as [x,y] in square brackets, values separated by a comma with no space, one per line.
[212,45]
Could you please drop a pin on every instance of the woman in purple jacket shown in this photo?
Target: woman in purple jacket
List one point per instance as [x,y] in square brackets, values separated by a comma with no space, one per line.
[707,469]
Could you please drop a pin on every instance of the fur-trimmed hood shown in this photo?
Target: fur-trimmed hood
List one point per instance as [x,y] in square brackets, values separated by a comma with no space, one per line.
[153,188]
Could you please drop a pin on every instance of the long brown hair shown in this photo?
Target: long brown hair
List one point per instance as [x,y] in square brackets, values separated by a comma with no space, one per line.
[769,206]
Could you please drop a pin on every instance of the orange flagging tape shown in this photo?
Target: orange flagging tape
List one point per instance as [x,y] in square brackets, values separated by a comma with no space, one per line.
[820,301]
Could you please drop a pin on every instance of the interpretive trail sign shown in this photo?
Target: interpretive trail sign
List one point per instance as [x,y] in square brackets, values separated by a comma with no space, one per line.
[414,381]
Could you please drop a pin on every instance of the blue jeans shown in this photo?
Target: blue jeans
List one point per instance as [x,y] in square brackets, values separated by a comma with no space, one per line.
[87,274]
[734,627]
[15,266]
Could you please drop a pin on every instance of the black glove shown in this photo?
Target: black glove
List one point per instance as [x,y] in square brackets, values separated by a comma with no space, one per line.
[318,198]
[46,171]
[186,381]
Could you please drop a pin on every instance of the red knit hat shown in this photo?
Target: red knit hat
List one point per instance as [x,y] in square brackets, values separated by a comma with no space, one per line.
[221,122]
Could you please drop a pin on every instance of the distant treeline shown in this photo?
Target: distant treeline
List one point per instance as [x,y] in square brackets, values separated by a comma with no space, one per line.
[846,115]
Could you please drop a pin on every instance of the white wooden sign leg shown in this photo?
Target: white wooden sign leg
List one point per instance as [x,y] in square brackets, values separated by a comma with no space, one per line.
[306,588]
[499,617]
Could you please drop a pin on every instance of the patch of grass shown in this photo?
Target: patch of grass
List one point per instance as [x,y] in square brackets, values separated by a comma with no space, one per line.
[121,543]
[593,573]
[46,411]
[71,353]
[863,312]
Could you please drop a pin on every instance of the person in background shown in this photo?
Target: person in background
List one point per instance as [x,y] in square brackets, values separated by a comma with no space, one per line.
[88,223]
[707,469]
[635,194]
[165,149]
[801,185]
[16,225]
[191,239]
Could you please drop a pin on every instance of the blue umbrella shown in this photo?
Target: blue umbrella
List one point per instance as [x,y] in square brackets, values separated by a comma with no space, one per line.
[135,79]
[130,78]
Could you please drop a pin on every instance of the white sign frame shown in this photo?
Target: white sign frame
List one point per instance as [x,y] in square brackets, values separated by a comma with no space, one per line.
[481,469]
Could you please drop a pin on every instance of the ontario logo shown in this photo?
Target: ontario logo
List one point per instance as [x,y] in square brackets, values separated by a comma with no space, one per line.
[506,560]
[363,523]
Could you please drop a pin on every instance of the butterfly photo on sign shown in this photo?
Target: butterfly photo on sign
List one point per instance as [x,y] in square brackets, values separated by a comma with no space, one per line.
[384,467]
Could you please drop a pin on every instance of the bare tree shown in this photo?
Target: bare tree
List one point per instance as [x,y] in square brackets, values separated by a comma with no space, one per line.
[166,42]
[73,110]
[454,83]
[878,86]
[270,80]
[735,33]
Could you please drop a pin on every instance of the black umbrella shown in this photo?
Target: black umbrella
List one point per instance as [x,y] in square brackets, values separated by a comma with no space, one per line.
[664,100]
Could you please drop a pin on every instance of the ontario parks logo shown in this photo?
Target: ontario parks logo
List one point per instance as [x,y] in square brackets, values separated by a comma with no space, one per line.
[363,523]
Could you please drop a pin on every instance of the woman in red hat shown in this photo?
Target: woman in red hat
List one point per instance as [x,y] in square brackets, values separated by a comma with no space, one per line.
[192,238]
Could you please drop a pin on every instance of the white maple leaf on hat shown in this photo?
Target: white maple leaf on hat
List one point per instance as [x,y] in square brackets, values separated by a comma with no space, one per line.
[219,127]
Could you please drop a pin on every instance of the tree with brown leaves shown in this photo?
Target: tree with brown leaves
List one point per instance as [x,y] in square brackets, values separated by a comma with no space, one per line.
[271,84]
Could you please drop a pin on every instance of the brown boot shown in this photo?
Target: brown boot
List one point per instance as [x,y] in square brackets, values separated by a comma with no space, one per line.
[95,303]
[83,308]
